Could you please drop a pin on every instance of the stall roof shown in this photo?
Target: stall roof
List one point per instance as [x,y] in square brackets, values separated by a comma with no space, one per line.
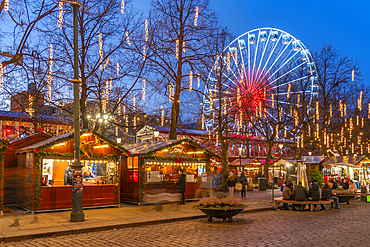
[314,159]
[347,160]
[145,148]
[263,161]
[244,162]
[69,136]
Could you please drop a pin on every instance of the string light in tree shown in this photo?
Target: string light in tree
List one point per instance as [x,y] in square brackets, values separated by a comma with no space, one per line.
[177,49]
[239,98]
[117,68]
[317,131]
[110,84]
[183,46]
[362,122]
[277,132]
[6,5]
[353,148]
[119,108]
[288,93]
[50,78]
[358,120]
[106,63]
[146,30]
[203,122]
[285,131]
[331,111]
[60,20]
[2,74]
[134,101]
[122,6]
[317,111]
[144,52]
[191,80]
[302,143]
[298,100]
[101,50]
[128,38]
[295,117]
[236,55]
[359,101]
[309,130]
[144,82]
[198,80]
[228,61]
[353,75]
[345,109]
[162,116]
[196,16]
[272,101]
[170,92]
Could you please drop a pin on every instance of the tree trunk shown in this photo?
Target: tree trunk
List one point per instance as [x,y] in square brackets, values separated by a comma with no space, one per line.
[268,158]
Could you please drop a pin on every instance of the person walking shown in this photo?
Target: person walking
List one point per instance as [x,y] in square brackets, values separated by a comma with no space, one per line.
[243,181]
[231,184]
[181,183]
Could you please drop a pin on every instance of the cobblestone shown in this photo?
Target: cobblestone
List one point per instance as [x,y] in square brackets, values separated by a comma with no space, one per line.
[346,227]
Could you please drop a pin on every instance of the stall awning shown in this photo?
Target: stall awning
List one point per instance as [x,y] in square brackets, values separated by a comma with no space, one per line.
[347,160]
[245,162]
[314,159]
[264,161]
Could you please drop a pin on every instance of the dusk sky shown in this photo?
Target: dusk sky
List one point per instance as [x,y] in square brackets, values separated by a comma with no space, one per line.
[345,24]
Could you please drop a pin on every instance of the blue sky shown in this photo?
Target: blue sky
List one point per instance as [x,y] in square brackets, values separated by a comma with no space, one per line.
[345,24]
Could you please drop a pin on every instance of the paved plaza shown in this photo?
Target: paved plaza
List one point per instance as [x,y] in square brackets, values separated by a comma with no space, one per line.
[345,227]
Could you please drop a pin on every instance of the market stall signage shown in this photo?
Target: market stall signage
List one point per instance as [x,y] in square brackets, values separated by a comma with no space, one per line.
[178,150]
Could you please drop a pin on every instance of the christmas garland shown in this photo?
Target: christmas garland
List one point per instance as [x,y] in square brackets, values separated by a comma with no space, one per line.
[142,178]
[3,145]
[38,158]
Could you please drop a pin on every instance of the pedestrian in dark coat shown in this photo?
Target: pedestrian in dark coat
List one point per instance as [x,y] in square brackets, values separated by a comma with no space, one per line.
[287,193]
[231,184]
[314,192]
[181,183]
[300,193]
[243,181]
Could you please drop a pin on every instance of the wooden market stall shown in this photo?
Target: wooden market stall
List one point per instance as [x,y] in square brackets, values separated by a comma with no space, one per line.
[3,145]
[154,167]
[47,177]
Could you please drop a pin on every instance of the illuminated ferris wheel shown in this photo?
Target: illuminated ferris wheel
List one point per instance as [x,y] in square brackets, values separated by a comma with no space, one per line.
[260,70]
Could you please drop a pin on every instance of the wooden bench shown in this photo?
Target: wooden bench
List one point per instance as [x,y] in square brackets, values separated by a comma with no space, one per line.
[277,201]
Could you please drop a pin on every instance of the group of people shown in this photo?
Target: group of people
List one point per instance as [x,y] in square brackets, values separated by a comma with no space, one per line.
[300,193]
[231,184]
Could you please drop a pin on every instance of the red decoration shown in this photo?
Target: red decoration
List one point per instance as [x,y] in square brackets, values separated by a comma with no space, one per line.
[59,154]
[1,165]
[89,131]
[101,154]
[10,146]
[128,153]
[142,158]
[37,150]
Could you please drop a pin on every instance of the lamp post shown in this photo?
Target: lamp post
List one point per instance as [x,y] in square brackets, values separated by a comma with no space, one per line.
[119,139]
[77,213]
[240,157]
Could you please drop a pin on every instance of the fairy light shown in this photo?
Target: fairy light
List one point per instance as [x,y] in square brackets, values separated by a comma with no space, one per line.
[272,101]
[331,111]
[100,50]
[117,68]
[216,63]
[353,147]
[196,16]
[358,120]
[144,52]
[128,38]
[239,97]
[360,102]
[177,49]
[342,135]
[110,83]
[368,111]
[241,120]
[285,132]
[122,6]
[298,99]
[183,46]
[344,109]
[277,132]
[280,113]
[199,81]
[106,63]
[302,143]
[298,141]
[6,5]
[309,130]
[202,121]
[317,131]
[353,75]
[350,127]
[308,110]
[2,73]
[162,116]
[236,55]
[341,108]
[225,106]
[119,108]
[60,20]
[146,30]
[317,111]
[170,92]
[288,93]
[50,78]
[291,111]
[134,122]
[134,101]
[228,61]
[359,140]
[190,80]
[362,122]
[144,82]
[295,118]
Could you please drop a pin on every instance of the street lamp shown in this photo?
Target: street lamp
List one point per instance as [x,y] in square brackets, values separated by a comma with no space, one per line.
[309,153]
[240,157]
[77,213]
[119,139]
[156,134]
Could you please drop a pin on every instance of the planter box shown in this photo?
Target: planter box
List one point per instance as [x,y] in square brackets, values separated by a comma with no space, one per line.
[221,213]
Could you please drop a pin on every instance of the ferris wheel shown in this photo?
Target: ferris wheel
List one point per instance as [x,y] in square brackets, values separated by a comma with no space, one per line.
[261,69]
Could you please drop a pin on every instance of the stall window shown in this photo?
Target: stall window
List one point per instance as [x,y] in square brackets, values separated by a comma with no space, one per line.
[133,169]
[29,167]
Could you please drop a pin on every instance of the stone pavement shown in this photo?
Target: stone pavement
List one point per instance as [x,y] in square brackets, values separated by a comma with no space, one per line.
[346,227]
[57,223]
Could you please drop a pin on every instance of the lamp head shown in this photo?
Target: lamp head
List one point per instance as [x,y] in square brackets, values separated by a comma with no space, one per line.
[119,140]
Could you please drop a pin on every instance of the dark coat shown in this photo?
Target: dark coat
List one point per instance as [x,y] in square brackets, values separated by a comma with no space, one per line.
[300,193]
[335,185]
[287,192]
[231,182]
[243,180]
[181,183]
[326,193]
[345,186]
[314,193]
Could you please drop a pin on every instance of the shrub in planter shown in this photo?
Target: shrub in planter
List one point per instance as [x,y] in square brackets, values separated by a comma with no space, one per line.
[221,201]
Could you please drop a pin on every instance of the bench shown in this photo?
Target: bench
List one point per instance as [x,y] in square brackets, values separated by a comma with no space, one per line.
[277,201]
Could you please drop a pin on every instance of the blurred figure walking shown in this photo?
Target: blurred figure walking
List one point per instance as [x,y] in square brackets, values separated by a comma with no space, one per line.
[181,183]
[231,184]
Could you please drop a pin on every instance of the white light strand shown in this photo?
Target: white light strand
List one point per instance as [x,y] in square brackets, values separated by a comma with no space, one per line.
[228,61]
[183,46]
[203,122]
[60,20]
[191,80]
[144,52]
[50,71]
[134,101]
[128,38]
[353,75]
[146,30]
[177,49]
[360,102]
[162,117]
[196,16]
[117,68]
[288,94]
[122,6]
[101,50]
[144,82]
[6,5]
[199,81]
[2,74]
[106,63]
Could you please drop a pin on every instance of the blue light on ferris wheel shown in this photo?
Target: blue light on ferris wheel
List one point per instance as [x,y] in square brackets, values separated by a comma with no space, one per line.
[241,43]
[286,39]
[295,45]
[274,35]
[263,35]
[304,54]
[311,67]
[252,38]
[232,49]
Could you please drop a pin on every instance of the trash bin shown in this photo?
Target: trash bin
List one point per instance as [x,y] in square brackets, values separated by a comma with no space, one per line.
[262,184]
[364,192]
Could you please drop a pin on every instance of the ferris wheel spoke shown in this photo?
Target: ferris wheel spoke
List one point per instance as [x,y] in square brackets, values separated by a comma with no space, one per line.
[288,72]
[263,53]
[282,65]
[255,56]
[286,83]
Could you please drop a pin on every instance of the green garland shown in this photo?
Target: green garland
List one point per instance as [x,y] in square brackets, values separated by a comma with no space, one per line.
[3,145]
[38,158]
[142,179]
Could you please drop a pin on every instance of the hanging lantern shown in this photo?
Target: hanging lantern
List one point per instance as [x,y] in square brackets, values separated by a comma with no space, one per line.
[50,72]
[144,82]
[122,6]
[60,20]
[191,80]
[196,16]
[128,38]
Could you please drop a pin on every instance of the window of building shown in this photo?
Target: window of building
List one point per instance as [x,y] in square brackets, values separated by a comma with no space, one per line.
[133,169]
